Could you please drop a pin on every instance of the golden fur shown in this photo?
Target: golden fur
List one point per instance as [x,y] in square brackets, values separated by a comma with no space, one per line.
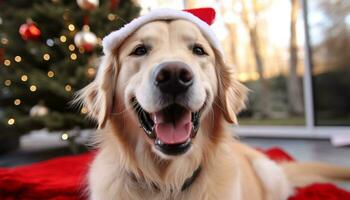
[128,167]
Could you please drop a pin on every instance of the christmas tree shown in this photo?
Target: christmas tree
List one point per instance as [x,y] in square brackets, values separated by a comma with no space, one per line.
[48,51]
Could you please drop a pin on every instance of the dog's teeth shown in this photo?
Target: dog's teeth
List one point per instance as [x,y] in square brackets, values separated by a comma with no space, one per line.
[158,142]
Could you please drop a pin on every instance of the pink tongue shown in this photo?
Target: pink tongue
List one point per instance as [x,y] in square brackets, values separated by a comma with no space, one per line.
[170,133]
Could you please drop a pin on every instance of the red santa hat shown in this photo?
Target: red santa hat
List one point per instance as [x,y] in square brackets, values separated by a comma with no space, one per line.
[202,17]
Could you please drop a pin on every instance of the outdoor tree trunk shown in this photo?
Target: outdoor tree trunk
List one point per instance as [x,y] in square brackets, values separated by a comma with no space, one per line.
[264,92]
[231,28]
[232,31]
[264,88]
[295,102]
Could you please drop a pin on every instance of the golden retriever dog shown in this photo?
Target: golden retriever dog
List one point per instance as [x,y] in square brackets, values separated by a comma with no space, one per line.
[164,100]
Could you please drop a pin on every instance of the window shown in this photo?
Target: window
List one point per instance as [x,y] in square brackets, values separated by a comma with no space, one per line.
[329,27]
[264,40]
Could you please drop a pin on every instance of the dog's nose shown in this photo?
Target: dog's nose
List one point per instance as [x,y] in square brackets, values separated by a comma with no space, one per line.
[173,77]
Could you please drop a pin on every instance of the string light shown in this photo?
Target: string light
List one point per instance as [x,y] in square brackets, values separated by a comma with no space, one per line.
[71,47]
[4,41]
[33,88]
[7,83]
[11,121]
[81,50]
[46,56]
[73,56]
[111,17]
[91,71]
[63,38]
[7,62]
[84,110]
[50,74]
[64,136]
[24,78]
[68,88]
[50,42]
[17,102]
[71,27]
[18,59]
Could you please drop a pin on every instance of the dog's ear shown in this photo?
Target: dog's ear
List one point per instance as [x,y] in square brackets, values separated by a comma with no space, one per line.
[231,93]
[98,96]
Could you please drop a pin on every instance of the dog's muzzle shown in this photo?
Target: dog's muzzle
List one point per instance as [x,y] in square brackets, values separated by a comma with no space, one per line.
[174,126]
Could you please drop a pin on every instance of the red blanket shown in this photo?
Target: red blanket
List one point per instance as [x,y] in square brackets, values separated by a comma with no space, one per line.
[64,179]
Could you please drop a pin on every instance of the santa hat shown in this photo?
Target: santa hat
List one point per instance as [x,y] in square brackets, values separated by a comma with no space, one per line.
[202,17]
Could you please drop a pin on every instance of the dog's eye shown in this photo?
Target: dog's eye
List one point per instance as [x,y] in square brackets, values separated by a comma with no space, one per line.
[140,50]
[198,50]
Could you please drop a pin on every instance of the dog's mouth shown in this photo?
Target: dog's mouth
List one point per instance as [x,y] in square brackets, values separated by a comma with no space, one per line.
[172,128]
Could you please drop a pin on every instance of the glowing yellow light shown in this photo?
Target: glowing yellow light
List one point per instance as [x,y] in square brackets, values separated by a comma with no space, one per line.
[91,71]
[33,88]
[68,88]
[7,62]
[63,38]
[84,110]
[64,136]
[18,59]
[71,27]
[111,17]
[81,50]
[50,74]
[71,47]
[4,41]
[7,82]
[24,78]
[73,56]
[17,102]
[11,121]
[46,56]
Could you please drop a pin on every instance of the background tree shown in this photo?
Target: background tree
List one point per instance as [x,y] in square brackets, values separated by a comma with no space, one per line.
[295,100]
[42,67]
[249,18]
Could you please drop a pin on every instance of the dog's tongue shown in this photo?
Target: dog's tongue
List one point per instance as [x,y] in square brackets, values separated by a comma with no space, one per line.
[170,132]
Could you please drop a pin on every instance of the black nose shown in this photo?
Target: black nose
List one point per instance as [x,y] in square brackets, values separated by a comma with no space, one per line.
[173,77]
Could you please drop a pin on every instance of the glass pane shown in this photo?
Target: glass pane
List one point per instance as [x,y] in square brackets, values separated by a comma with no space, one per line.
[329,23]
[264,40]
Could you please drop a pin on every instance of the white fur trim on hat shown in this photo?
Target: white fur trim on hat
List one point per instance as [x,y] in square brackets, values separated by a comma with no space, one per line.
[114,39]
